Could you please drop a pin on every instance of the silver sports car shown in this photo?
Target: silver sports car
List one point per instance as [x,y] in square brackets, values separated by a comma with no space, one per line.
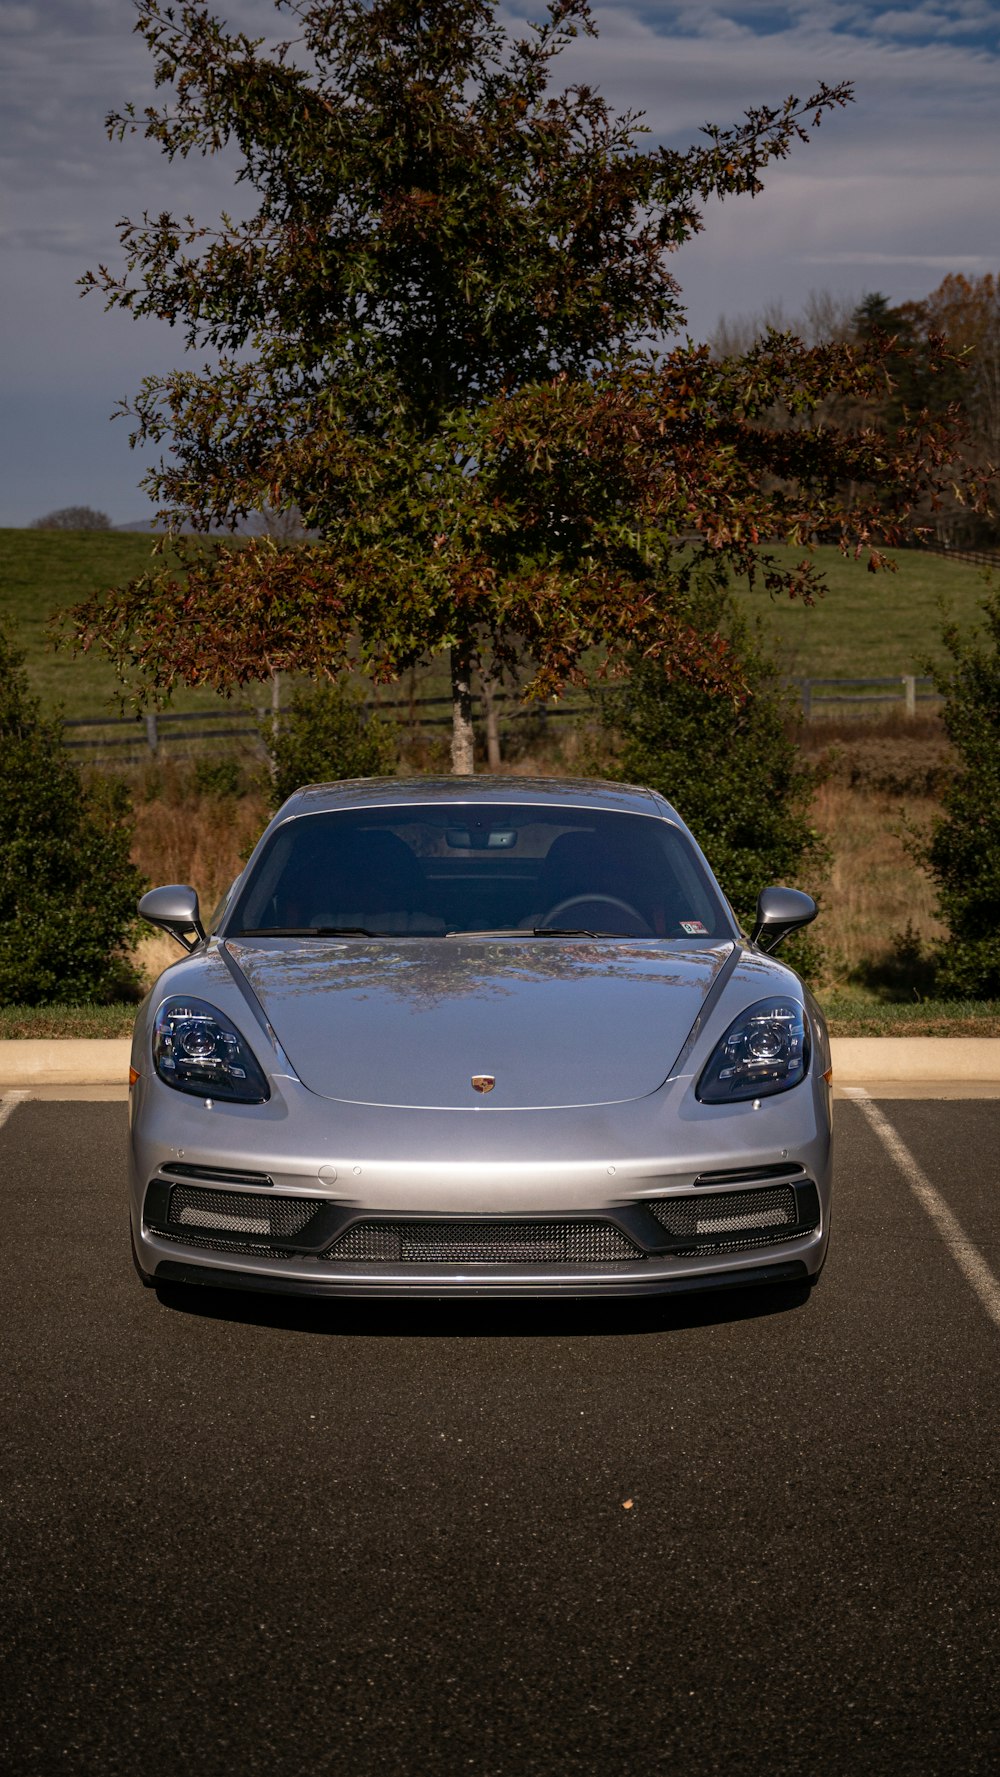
[488,1036]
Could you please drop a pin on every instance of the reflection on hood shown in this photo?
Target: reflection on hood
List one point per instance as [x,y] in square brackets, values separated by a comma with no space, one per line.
[578,1022]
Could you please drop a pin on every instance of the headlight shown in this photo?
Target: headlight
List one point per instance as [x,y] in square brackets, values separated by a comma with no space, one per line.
[196,1049]
[765,1050]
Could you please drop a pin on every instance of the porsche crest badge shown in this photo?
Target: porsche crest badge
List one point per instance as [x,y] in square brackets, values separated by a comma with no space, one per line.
[483,1082]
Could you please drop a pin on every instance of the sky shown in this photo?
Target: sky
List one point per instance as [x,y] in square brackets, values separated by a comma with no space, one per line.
[889,195]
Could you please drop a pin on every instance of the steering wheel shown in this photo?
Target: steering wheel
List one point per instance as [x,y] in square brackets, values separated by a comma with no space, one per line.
[598,899]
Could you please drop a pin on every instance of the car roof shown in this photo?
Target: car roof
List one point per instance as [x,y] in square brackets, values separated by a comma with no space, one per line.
[376,792]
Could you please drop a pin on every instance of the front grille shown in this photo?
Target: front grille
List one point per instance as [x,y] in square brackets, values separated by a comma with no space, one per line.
[236,1212]
[484,1243]
[739,1219]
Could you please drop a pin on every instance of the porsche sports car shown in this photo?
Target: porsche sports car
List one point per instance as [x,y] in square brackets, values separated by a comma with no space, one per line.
[484,1037]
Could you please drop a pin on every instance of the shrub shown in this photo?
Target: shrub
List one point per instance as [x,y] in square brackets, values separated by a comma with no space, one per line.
[734,773]
[67,886]
[324,734]
[218,774]
[964,851]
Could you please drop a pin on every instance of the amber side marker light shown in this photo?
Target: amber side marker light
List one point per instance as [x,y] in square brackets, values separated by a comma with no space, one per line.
[133,1075]
[828,1076]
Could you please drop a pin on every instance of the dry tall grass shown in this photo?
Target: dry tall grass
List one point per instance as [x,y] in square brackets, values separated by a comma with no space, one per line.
[204,841]
[878,798]
[875,889]
[201,839]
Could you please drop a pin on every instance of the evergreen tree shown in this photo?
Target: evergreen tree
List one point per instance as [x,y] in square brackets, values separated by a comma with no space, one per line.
[68,889]
[731,768]
[964,852]
[324,734]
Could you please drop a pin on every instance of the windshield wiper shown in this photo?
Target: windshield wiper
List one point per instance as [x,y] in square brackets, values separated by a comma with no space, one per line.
[492,932]
[305,932]
[574,932]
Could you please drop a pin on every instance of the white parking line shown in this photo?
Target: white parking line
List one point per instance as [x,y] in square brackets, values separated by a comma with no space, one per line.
[967,1257]
[9,1103]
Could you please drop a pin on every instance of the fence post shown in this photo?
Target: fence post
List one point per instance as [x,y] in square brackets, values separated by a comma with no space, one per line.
[152,732]
[806,685]
[910,694]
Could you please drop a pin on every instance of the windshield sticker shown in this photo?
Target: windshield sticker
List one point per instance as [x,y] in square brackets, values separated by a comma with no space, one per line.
[695,928]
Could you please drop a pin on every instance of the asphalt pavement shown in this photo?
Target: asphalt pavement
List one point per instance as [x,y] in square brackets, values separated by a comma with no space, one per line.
[699,1535]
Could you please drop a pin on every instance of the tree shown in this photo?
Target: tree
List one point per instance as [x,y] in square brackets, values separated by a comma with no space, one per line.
[823,317]
[436,339]
[735,776]
[919,376]
[967,312]
[72,518]
[67,887]
[964,852]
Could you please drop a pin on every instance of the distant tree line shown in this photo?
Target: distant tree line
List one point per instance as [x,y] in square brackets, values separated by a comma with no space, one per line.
[72,518]
[919,380]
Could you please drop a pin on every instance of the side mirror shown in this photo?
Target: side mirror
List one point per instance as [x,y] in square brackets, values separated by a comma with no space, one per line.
[175,908]
[780,911]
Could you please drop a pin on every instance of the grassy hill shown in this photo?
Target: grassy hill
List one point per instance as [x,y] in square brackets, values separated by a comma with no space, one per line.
[866,625]
[869,625]
[43,572]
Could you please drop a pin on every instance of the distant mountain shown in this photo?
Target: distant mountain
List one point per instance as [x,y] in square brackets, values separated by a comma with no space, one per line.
[246,527]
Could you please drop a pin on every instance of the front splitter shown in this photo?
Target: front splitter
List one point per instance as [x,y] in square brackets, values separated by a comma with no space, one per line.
[462,1286]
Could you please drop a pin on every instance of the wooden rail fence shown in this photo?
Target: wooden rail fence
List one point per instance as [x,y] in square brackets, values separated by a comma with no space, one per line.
[156,729]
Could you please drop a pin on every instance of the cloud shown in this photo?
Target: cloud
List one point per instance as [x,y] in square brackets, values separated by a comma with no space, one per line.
[927,20]
[944,262]
[902,186]
[904,179]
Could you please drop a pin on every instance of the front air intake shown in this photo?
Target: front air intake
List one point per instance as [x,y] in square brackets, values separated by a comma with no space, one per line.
[448,1242]
[232,1212]
[239,1221]
[732,1221]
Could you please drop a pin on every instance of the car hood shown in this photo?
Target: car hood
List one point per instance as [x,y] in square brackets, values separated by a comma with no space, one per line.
[567,1023]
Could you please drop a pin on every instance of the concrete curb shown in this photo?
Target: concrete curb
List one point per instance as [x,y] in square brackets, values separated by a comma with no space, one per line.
[64,1061]
[857,1061]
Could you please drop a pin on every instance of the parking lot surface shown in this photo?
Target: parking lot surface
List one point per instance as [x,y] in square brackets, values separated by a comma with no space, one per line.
[691,1535]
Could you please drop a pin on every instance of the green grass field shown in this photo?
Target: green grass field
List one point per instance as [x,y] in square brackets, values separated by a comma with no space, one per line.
[867,625]
[43,572]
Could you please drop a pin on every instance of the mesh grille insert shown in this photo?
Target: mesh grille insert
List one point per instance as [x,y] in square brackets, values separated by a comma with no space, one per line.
[484,1243]
[739,1219]
[236,1212]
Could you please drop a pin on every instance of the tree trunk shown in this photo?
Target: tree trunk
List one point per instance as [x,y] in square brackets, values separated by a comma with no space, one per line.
[494,757]
[463,762]
[272,763]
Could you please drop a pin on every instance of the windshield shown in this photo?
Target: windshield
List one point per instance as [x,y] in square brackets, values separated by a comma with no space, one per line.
[440,869]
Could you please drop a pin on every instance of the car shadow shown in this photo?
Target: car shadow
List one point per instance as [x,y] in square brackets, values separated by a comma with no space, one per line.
[432,1318]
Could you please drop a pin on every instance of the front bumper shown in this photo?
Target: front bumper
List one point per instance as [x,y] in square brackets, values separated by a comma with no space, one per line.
[621,1170]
